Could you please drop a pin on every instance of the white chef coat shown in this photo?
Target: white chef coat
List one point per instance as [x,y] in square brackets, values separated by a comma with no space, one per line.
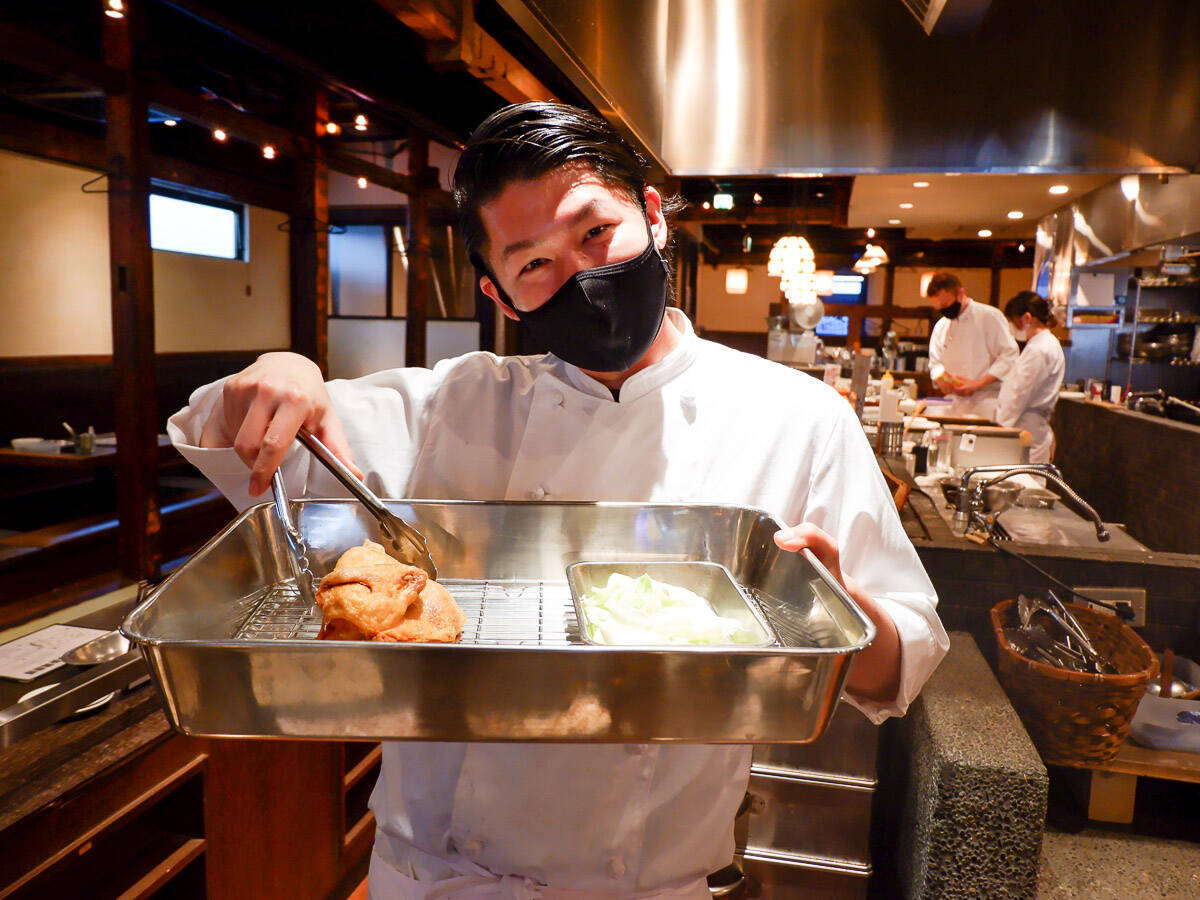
[978,342]
[1030,391]
[704,424]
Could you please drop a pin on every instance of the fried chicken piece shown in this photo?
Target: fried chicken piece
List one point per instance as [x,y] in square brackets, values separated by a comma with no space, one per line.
[370,596]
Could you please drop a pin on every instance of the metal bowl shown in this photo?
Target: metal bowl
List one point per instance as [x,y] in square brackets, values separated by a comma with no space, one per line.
[1001,496]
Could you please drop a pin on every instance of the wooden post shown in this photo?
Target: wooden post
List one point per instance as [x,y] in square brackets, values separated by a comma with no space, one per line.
[132,277]
[418,250]
[309,238]
[889,292]
[997,259]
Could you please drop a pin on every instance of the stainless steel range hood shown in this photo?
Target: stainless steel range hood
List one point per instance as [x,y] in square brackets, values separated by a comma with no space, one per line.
[749,87]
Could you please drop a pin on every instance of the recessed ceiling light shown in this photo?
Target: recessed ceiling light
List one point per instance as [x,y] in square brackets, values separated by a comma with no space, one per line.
[870,232]
[1015,214]
[906,206]
[985,232]
[268,151]
[170,123]
[1058,188]
[220,135]
[893,221]
[920,184]
[362,182]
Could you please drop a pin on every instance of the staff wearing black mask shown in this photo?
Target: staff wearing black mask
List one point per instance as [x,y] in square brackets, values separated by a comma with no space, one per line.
[602,319]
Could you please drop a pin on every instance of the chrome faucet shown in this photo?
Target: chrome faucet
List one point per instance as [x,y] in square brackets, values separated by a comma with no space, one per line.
[970,499]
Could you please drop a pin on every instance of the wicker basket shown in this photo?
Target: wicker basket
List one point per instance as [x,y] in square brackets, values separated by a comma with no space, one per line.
[1073,717]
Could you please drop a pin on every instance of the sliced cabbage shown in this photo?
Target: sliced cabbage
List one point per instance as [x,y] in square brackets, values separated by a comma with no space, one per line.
[648,612]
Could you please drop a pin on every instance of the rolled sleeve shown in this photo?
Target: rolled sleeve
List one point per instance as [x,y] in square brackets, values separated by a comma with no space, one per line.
[923,643]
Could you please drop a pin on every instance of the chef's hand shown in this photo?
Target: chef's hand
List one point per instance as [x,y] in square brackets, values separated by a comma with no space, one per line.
[262,408]
[946,383]
[875,674]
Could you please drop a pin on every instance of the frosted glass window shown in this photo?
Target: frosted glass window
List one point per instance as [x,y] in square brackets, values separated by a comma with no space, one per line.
[358,264]
[187,226]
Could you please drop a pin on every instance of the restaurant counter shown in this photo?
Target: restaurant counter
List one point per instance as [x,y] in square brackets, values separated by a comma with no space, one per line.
[1135,468]
[971,578]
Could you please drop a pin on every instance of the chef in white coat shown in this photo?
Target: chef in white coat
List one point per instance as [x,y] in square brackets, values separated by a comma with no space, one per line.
[1030,391]
[629,405]
[971,350]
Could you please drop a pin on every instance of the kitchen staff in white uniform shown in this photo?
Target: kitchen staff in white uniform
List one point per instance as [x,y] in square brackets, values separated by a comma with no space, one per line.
[970,350]
[629,405]
[1030,391]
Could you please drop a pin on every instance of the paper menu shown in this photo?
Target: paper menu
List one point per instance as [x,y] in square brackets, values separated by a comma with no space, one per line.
[37,653]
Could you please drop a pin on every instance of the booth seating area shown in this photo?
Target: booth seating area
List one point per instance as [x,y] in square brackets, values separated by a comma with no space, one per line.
[58,519]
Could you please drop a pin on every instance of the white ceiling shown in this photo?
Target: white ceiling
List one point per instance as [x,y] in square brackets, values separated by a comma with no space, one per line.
[957,206]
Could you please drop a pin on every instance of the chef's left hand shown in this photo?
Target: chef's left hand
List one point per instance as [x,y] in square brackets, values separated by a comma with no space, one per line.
[876,671]
[968,386]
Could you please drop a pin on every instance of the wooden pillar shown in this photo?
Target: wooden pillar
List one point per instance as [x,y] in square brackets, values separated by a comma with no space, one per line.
[889,292]
[309,237]
[132,278]
[419,286]
[997,258]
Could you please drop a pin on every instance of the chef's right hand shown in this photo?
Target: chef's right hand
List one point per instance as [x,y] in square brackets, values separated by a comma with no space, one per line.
[262,408]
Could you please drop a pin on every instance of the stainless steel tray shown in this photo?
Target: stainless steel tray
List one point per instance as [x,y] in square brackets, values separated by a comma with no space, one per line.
[232,647]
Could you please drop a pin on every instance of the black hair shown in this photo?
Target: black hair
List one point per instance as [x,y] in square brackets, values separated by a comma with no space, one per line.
[1033,303]
[942,281]
[526,140]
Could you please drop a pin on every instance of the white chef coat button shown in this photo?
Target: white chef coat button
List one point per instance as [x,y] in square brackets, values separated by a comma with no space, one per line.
[616,867]
[473,848]
[538,493]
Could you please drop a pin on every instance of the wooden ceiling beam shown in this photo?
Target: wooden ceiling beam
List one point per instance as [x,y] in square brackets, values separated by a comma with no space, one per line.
[456,41]
[434,20]
[31,51]
[349,164]
[210,114]
[759,215]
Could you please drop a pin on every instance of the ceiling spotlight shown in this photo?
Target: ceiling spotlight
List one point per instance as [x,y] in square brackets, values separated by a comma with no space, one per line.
[985,232]
[757,197]
[114,9]
[360,122]
[906,206]
[362,182]
[268,151]
[706,205]
[170,123]
[870,232]
[893,221]
[1021,247]
[747,243]
[333,128]
[722,201]
[1058,188]
[1015,214]
[920,184]
[220,135]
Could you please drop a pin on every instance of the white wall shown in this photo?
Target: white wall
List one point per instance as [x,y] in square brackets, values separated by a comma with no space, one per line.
[203,303]
[361,346]
[55,296]
[54,281]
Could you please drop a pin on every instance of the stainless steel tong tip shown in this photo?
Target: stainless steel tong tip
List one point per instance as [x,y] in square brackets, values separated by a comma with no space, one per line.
[408,542]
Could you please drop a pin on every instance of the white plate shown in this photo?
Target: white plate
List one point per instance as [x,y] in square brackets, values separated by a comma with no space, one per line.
[38,445]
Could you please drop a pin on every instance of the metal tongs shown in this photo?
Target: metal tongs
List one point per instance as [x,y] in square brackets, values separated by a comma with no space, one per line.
[408,545]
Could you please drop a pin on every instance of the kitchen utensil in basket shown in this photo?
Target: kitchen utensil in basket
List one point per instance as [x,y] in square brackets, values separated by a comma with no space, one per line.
[407,544]
[1076,717]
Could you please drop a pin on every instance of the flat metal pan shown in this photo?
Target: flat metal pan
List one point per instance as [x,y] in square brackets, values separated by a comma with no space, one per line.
[232,647]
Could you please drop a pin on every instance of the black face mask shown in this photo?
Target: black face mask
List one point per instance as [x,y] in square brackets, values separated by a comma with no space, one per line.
[952,311]
[602,319]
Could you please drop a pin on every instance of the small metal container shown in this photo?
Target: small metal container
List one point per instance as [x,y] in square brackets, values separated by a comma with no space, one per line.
[709,580]
[1037,498]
